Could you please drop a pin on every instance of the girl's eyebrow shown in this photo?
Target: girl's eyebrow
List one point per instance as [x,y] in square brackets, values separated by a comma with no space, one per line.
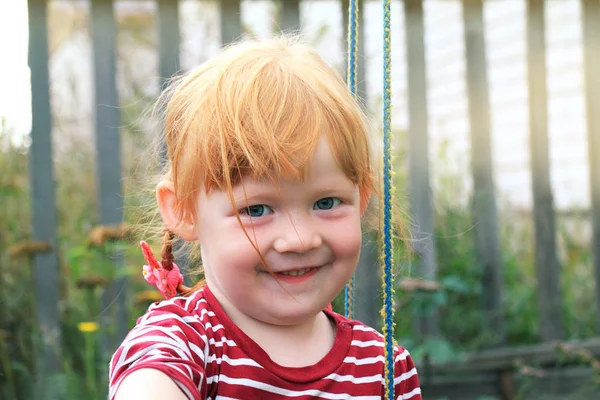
[246,192]
[251,185]
[334,184]
[250,191]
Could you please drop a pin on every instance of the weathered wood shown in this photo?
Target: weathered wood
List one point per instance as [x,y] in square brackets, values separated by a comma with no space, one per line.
[546,259]
[290,15]
[168,49]
[169,59]
[418,151]
[591,38]
[473,386]
[368,300]
[485,219]
[368,273]
[506,358]
[231,22]
[108,155]
[554,384]
[43,202]
[168,39]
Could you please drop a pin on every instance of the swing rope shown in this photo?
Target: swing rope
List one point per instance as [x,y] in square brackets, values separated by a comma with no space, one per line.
[387,245]
[352,83]
[387,253]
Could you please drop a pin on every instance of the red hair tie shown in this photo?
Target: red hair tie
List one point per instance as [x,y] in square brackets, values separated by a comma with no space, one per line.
[166,281]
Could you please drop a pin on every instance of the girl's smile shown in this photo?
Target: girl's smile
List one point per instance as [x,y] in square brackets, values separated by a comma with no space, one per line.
[297,275]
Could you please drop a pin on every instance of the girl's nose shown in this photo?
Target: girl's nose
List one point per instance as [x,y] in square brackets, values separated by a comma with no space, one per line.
[297,235]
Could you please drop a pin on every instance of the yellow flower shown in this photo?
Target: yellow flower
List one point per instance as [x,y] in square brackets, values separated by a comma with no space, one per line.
[88,326]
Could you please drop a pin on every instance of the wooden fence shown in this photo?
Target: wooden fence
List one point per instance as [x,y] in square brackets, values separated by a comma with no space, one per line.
[495,367]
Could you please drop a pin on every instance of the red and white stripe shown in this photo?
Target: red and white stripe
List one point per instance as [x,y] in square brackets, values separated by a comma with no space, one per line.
[194,342]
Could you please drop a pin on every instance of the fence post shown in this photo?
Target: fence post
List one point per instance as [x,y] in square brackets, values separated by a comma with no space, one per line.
[590,12]
[108,156]
[418,151]
[43,202]
[231,23]
[290,21]
[546,260]
[367,294]
[484,201]
[169,64]
[168,39]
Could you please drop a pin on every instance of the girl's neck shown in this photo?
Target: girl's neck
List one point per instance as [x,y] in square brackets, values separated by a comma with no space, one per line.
[298,345]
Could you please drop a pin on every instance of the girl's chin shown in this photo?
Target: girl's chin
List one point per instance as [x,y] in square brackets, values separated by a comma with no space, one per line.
[289,317]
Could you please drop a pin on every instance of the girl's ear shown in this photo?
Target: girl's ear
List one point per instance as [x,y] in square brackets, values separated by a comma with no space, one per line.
[171,214]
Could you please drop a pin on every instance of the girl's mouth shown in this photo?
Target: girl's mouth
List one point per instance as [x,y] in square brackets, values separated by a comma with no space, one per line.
[297,275]
[296,272]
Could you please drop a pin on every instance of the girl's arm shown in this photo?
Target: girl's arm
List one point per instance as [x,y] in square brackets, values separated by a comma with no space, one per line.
[148,384]
[162,357]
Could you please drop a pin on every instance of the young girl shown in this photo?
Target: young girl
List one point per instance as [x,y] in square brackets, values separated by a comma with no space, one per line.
[269,172]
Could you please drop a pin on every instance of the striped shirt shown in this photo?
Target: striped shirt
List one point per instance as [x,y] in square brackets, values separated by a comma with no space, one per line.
[195,343]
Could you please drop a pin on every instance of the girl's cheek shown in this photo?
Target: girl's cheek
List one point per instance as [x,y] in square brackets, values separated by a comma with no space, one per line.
[347,237]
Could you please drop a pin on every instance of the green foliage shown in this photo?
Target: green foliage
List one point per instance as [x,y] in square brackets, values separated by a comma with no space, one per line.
[15,331]
[83,364]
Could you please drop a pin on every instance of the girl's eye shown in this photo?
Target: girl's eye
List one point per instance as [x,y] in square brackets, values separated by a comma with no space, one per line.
[256,211]
[326,203]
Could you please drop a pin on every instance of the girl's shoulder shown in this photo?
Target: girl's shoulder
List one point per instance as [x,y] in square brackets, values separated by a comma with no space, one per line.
[367,351]
[360,331]
[189,304]
[368,340]
[170,337]
[193,311]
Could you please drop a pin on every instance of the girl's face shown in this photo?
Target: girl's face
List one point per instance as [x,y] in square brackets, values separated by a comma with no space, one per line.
[308,232]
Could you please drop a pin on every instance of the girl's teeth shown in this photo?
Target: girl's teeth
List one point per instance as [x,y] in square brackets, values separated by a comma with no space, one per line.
[296,273]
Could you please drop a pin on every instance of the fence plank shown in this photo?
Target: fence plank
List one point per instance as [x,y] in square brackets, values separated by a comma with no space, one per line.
[552,384]
[541,355]
[290,19]
[368,303]
[108,152]
[418,151]
[231,23]
[591,35]
[168,39]
[168,48]
[484,202]
[169,65]
[43,202]
[546,259]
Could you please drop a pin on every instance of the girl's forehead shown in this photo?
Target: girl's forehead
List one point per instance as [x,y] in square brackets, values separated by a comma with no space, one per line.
[321,161]
[321,173]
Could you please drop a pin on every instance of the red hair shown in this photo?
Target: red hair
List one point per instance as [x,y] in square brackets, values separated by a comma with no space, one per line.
[259,109]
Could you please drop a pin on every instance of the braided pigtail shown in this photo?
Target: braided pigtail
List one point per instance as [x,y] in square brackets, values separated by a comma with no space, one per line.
[167,250]
[167,258]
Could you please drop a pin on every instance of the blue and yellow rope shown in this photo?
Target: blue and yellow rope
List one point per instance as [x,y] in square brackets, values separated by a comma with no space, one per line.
[352,83]
[388,187]
[387,253]
[352,45]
